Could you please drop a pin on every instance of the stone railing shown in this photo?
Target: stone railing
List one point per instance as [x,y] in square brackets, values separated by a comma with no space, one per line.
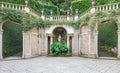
[93,9]
[102,8]
[12,6]
[18,7]
[107,7]
[56,18]
[59,17]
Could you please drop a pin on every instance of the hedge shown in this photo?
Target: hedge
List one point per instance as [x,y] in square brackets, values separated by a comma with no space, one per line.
[81,5]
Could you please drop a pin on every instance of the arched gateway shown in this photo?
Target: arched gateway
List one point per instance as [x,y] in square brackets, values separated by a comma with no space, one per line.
[83,40]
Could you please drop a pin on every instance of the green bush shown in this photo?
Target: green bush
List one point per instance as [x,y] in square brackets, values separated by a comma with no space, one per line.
[58,48]
[81,5]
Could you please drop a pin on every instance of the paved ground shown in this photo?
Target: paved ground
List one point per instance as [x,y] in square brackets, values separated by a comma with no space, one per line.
[103,53]
[60,65]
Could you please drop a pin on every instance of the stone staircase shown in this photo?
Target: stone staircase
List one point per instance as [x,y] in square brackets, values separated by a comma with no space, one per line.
[102,8]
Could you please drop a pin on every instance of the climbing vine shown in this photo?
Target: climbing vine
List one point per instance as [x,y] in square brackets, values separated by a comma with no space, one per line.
[28,21]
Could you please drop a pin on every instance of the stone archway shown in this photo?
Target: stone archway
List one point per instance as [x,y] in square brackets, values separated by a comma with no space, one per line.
[95,32]
[1,36]
[62,31]
[107,39]
[60,35]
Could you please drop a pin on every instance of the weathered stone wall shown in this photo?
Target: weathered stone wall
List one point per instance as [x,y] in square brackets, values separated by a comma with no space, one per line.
[84,40]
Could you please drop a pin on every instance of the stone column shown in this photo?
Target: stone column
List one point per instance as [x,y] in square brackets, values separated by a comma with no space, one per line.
[68,41]
[80,42]
[51,41]
[23,53]
[96,43]
[119,43]
[89,31]
[39,36]
[1,57]
[26,45]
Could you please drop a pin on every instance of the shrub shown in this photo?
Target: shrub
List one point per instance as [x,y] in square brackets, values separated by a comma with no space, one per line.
[58,48]
[81,5]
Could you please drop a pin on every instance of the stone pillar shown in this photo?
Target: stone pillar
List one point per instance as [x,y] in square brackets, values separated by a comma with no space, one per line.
[26,45]
[96,43]
[68,41]
[51,17]
[80,43]
[68,16]
[42,15]
[51,41]
[76,16]
[118,44]
[23,53]
[39,36]
[89,31]
[1,57]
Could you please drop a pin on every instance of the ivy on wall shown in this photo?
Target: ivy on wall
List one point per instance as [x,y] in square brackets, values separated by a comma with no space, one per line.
[29,21]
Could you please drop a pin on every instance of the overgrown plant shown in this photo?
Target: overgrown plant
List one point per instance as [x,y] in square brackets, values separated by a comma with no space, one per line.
[58,48]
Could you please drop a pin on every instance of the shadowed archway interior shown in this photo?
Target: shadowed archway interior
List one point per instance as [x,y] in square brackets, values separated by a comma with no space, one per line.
[60,34]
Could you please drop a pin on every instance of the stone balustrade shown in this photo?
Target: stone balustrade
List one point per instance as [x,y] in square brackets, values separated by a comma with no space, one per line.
[59,17]
[107,7]
[18,7]
[102,8]
[56,18]
[93,9]
[12,6]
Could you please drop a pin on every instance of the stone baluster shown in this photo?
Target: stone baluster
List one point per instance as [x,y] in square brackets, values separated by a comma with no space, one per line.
[5,5]
[12,7]
[76,16]
[9,6]
[110,7]
[68,16]
[117,6]
[113,7]
[68,41]
[51,17]
[2,5]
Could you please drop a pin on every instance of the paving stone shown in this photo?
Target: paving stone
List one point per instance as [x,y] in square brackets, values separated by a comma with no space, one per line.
[60,65]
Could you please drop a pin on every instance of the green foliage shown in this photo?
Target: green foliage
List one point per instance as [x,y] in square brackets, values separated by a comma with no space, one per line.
[58,48]
[13,15]
[12,38]
[81,5]
[14,1]
[38,6]
[108,35]
[102,2]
